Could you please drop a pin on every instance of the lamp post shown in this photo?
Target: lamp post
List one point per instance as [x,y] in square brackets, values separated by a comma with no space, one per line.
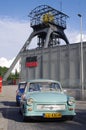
[81,47]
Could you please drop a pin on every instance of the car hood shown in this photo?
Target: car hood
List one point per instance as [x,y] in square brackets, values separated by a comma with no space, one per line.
[47,97]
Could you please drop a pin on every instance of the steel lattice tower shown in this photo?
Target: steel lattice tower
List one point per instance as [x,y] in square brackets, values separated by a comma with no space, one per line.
[48,25]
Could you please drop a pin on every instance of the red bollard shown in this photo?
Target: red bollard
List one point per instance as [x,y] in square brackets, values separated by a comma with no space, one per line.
[0,84]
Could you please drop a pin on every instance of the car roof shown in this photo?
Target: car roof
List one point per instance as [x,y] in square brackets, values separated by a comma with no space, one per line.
[20,83]
[23,82]
[44,80]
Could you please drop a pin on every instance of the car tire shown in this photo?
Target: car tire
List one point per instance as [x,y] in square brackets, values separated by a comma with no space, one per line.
[17,103]
[71,118]
[20,112]
[25,119]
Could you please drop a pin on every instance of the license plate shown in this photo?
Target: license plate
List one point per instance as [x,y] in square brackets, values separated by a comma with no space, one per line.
[52,115]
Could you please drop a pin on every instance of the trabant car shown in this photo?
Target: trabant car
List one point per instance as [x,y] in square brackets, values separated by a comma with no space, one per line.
[46,99]
[20,90]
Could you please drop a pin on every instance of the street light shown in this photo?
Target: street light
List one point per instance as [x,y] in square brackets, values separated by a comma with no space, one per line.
[82,70]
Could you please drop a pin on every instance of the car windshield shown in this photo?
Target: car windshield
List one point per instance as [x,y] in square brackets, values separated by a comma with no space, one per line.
[44,87]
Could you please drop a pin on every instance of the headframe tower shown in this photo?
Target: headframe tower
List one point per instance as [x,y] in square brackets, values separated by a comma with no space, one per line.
[48,25]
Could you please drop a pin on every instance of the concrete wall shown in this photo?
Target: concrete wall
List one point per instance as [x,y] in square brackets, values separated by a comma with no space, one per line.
[60,63]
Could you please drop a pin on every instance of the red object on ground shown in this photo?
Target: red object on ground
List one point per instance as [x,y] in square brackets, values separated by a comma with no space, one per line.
[0,84]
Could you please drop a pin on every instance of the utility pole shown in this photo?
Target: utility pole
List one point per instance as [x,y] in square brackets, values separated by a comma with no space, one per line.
[81,47]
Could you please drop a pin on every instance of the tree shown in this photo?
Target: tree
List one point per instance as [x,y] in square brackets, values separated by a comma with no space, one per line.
[12,76]
[3,70]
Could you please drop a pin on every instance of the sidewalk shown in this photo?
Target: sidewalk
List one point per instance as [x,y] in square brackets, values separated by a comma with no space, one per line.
[8,94]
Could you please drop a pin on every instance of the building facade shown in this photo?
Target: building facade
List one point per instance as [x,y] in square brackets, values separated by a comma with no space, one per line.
[62,63]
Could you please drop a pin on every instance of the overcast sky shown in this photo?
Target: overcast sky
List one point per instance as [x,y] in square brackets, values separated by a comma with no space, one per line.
[15,23]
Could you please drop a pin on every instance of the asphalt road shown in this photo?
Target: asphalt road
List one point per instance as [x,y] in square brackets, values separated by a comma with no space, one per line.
[10,119]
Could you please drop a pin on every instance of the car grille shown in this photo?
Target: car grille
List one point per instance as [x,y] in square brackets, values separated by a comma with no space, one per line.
[44,107]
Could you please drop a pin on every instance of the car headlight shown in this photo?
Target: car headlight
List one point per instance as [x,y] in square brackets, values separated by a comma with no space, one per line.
[71,101]
[30,101]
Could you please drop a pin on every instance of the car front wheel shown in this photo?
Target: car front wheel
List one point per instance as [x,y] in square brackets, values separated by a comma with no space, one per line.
[25,119]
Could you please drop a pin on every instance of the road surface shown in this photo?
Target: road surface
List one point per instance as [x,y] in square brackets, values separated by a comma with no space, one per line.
[10,119]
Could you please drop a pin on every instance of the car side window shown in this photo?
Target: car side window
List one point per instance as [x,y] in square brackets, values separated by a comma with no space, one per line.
[34,87]
[55,86]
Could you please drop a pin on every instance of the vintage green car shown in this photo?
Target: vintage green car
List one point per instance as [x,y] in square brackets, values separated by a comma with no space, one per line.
[45,99]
